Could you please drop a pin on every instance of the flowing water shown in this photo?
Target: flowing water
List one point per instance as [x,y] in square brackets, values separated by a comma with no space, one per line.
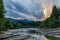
[24,34]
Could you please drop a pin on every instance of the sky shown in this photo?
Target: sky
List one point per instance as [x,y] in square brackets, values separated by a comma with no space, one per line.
[35,10]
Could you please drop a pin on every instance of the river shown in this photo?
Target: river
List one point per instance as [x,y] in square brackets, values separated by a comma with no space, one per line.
[25,34]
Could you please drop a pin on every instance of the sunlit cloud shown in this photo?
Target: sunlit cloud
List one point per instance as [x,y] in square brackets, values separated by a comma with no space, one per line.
[29,9]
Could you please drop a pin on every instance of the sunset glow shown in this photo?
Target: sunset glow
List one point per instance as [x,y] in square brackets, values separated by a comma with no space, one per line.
[45,13]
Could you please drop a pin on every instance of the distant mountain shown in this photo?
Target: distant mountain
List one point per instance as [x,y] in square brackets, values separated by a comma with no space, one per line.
[20,20]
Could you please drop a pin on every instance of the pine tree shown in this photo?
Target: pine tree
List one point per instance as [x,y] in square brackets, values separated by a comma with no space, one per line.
[55,12]
[1,9]
[2,19]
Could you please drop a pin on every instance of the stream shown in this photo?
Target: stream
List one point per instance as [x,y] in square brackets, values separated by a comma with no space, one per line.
[26,34]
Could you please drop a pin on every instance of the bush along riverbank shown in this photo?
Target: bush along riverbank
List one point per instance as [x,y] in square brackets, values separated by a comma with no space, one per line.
[52,37]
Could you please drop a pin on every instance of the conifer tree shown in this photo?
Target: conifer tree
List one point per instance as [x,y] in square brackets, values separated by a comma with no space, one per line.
[1,9]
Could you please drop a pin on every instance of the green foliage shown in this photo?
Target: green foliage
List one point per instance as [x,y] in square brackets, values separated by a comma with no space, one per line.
[55,12]
[2,24]
[2,19]
[52,37]
[1,9]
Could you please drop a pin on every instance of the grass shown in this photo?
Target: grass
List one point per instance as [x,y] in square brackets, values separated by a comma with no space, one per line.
[52,37]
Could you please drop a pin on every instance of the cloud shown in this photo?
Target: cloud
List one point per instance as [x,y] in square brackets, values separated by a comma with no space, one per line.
[29,9]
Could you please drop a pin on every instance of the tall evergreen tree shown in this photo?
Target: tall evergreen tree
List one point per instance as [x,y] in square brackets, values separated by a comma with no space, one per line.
[59,17]
[1,9]
[55,12]
[2,19]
